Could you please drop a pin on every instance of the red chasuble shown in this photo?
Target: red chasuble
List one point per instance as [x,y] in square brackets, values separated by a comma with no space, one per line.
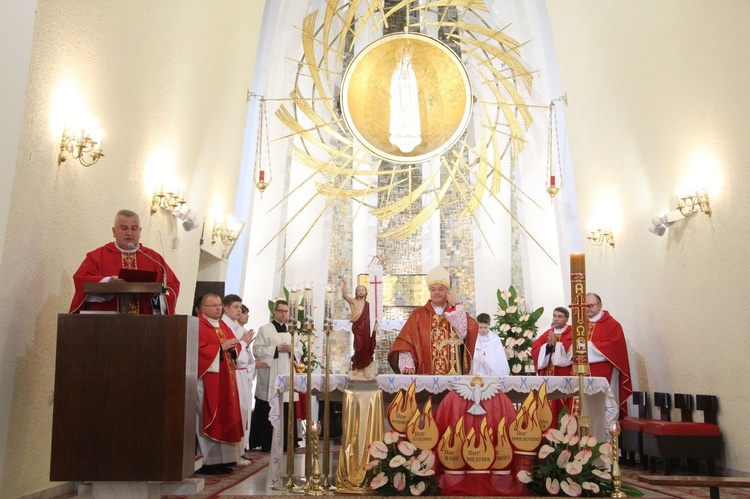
[607,336]
[423,334]
[222,419]
[541,342]
[364,342]
[107,261]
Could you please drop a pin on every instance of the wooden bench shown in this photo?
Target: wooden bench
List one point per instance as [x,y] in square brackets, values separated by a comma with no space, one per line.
[712,482]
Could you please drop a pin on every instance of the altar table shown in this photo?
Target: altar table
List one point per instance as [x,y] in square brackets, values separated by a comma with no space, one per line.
[599,402]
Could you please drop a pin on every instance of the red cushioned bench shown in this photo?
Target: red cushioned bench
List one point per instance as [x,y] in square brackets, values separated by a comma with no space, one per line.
[631,438]
[684,439]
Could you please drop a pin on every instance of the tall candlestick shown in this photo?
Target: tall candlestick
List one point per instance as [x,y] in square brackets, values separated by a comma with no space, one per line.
[308,305]
[578,311]
[292,319]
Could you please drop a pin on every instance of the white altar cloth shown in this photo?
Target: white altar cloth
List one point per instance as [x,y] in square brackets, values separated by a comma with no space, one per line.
[599,403]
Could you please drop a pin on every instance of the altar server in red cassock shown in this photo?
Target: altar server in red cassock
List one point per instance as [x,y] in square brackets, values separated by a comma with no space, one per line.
[421,346]
[608,352]
[125,252]
[219,419]
[553,355]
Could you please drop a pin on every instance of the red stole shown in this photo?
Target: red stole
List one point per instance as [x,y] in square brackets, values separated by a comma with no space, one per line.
[541,342]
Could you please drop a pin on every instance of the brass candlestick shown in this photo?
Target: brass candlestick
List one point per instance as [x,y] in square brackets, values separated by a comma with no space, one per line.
[291,419]
[326,408]
[614,429]
[314,488]
[308,419]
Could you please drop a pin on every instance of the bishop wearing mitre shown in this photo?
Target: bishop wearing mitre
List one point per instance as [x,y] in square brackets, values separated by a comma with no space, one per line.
[425,344]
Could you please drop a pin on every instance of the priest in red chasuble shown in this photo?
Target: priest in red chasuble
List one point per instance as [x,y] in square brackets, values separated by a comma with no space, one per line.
[423,345]
[218,411]
[125,252]
[608,352]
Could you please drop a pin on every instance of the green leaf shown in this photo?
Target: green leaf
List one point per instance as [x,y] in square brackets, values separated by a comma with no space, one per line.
[535,315]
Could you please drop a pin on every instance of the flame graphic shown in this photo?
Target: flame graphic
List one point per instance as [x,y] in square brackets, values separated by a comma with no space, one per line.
[524,431]
[503,448]
[544,411]
[424,436]
[477,450]
[403,407]
[449,447]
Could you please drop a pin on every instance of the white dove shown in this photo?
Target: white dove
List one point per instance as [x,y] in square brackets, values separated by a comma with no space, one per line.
[476,390]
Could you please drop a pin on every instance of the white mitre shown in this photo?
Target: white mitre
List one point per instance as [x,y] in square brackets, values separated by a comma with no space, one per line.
[439,275]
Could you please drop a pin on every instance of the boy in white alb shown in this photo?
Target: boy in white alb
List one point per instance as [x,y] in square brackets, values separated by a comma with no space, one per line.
[489,357]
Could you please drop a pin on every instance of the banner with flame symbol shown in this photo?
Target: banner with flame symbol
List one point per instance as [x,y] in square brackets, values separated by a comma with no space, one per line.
[449,448]
[543,409]
[477,450]
[402,408]
[525,433]
[503,447]
[422,430]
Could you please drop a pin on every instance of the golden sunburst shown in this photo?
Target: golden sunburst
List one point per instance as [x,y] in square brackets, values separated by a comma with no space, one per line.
[337,111]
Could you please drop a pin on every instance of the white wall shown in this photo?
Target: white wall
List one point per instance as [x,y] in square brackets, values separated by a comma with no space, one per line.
[16,31]
[657,91]
[167,81]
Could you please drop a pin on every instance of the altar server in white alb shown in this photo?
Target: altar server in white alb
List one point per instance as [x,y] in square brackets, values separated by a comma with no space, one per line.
[244,367]
[489,353]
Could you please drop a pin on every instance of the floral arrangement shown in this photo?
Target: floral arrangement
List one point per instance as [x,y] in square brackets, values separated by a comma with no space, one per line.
[577,466]
[400,468]
[517,329]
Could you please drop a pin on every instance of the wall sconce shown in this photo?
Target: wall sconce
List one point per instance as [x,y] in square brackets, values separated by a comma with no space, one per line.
[226,234]
[600,236]
[77,145]
[168,200]
[689,204]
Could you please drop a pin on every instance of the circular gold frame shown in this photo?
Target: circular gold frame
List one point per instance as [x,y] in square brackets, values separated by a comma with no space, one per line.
[443,87]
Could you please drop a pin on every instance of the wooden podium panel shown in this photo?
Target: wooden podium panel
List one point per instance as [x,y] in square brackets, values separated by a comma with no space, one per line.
[125,398]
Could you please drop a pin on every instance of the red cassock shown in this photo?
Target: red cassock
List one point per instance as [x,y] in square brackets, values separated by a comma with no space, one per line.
[107,261]
[566,338]
[418,337]
[222,419]
[607,336]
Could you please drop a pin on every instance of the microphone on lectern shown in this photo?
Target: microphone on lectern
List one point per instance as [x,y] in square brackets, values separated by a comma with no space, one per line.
[163,268]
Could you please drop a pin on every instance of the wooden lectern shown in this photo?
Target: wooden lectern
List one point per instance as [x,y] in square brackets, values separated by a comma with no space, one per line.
[123,290]
[125,398]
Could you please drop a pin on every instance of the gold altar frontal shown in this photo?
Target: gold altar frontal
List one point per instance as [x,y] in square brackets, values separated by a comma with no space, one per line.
[363,421]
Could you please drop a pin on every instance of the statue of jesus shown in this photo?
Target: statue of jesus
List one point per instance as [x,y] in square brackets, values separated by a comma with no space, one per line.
[363,366]
[405,128]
